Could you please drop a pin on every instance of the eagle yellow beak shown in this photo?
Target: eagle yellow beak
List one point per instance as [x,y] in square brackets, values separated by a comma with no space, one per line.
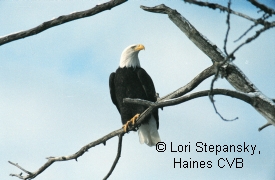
[139,47]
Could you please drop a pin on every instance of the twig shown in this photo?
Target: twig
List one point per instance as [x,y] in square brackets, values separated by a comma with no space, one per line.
[222,8]
[228,27]
[264,126]
[248,40]
[211,96]
[215,78]
[217,112]
[249,29]
[61,20]
[15,164]
[117,156]
[252,26]
[262,7]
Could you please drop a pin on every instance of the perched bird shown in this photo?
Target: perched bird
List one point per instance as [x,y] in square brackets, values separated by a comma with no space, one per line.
[132,81]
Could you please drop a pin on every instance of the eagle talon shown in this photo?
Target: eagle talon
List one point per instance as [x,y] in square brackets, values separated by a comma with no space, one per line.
[134,119]
[131,121]
[125,126]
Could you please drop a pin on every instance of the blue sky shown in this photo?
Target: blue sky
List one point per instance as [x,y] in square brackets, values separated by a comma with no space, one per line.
[55,95]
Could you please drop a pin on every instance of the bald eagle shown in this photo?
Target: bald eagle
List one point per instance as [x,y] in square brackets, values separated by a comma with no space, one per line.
[132,81]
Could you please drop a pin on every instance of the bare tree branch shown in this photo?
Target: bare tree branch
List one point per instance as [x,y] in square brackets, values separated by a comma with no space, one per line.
[222,8]
[175,101]
[19,175]
[84,149]
[252,26]
[228,28]
[231,56]
[51,160]
[265,106]
[117,156]
[211,95]
[262,7]
[254,99]
[249,29]
[140,102]
[197,38]
[19,167]
[264,126]
[248,40]
[241,83]
[201,42]
[61,20]
[217,112]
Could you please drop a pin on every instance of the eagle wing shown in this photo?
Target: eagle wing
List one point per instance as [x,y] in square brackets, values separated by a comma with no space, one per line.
[147,84]
[113,90]
[149,89]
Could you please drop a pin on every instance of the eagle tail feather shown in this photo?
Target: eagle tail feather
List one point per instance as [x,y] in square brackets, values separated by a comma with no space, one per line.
[148,133]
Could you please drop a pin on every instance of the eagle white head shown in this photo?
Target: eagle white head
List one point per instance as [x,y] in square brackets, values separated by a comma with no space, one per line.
[129,56]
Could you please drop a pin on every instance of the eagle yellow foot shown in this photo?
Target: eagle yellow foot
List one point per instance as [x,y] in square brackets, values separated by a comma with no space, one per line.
[131,121]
